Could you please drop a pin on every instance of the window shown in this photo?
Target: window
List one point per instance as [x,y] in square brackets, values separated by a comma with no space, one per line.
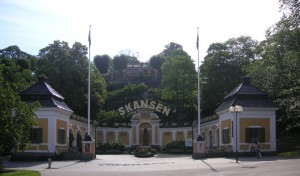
[225,136]
[61,136]
[36,135]
[255,135]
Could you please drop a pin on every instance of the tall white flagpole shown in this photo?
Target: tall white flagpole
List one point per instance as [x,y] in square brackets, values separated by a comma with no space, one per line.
[89,84]
[199,109]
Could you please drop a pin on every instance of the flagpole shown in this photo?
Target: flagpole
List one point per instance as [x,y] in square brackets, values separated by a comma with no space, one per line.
[89,84]
[199,109]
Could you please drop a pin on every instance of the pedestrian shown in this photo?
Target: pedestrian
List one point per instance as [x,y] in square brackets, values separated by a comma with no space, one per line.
[258,148]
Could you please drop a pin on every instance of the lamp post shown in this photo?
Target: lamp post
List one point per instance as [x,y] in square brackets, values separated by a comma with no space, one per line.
[236,109]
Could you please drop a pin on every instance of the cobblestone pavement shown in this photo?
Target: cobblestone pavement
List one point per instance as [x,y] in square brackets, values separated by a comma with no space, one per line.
[164,165]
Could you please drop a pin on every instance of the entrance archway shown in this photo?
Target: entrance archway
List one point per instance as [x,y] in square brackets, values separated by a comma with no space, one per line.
[71,138]
[145,133]
[79,141]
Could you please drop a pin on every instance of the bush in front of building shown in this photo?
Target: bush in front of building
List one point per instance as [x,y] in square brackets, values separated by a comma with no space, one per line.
[144,151]
[112,147]
[174,147]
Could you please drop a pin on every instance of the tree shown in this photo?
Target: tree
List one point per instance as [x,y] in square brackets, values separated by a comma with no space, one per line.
[21,58]
[120,62]
[179,83]
[278,72]
[13,52]
[222,69]
[16,118]
[67,71]
[102,63]
[131,55]
[156,61]
[122,96]
[172,49]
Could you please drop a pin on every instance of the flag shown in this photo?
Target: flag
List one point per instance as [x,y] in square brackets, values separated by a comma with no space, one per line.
[89,39]
[197,42]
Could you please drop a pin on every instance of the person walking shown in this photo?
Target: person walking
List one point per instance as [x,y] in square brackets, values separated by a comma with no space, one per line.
[258,148]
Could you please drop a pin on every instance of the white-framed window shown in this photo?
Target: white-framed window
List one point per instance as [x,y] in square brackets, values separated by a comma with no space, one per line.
[255,134]
[61,136]
[36,135]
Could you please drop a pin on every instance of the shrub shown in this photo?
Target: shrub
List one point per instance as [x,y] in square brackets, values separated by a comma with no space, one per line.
[144,151]
[174,145]
[113,145]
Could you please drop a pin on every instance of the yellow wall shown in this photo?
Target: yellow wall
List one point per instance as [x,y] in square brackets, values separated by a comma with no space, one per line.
[61,124]
[110,136]
[99,137]
[124,137]
[31,147]
[83,131]
[43,147]
[166,137]
[43,123]
[246,122]
[179,136]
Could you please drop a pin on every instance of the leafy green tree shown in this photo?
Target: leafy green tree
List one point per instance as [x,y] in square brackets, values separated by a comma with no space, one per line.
[21,58]
[179,83]
[278,74]
[18,78]
[278,70]
[102,63]
[131,55]
[67,71]
[156,61]
[173,49]
[222,69]
[120,62]
[12,52]
[129,93]
[16,118]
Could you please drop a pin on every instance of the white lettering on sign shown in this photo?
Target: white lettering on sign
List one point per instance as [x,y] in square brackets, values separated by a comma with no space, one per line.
[145,104]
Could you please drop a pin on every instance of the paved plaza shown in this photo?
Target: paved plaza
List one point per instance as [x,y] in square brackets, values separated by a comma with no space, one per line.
[164,165]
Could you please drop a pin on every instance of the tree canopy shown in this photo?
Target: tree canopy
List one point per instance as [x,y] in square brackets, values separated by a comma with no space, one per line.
[278,71]
[102,63]
[67,71]
[179,83]
[16,117]
[222,69]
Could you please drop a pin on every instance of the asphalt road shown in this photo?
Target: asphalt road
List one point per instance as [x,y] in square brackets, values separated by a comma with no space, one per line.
[165,165]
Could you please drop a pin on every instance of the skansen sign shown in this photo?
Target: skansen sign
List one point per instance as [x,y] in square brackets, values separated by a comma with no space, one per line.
[144,104]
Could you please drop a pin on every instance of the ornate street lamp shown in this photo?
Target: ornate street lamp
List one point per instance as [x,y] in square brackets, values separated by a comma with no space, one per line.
[237,109]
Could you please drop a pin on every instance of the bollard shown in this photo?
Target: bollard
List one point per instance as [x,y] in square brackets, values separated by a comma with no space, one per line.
[49,163]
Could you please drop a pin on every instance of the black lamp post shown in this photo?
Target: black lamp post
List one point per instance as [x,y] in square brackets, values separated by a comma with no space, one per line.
[236,109]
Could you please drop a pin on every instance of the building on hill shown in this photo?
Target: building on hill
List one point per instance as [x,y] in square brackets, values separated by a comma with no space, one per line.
[139,73]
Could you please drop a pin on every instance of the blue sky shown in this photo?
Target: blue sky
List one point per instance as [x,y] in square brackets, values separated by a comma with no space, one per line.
[140,26]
